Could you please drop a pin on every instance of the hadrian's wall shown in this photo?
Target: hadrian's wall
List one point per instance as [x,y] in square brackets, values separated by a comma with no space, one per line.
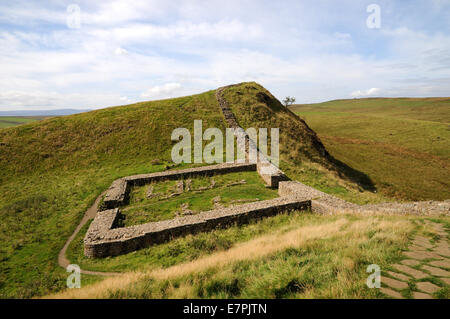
[104,238]
[271,174]
[323,203]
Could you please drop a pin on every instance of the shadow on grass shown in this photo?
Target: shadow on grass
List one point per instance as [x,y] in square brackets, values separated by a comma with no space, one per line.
[354,175]
[343,170]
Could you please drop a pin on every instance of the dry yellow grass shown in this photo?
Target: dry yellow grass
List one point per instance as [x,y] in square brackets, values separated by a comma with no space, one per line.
[251,250]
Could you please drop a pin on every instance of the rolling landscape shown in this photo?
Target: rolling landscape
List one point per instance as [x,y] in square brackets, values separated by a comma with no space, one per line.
[8,121]
[224,159]
[62,164]
[401,143]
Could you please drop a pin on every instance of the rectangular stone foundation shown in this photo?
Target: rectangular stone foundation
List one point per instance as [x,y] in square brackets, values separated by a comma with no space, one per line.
[102,240]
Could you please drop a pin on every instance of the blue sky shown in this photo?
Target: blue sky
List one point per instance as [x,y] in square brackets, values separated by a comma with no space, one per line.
[127,51]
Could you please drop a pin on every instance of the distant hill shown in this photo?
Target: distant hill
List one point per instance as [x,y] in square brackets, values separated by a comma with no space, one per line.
[402,144]
[42,112]
[8,121]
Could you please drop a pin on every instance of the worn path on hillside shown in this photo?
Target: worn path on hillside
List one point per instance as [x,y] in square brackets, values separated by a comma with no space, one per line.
[90,214]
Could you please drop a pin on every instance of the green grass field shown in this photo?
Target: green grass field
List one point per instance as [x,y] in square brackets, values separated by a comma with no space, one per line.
[402,144]
[8,121]
[228,189]
[51,171]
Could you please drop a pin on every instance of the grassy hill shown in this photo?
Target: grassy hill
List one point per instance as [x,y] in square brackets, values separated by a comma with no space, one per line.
[402,144]
[51,171]
[302,154]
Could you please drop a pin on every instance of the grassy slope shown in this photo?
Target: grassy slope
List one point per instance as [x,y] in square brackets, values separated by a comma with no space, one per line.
[302,154]
[51,171]
[401,144]
[288,256]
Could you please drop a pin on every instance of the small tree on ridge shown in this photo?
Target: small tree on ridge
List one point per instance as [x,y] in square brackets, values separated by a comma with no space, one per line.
[288,101]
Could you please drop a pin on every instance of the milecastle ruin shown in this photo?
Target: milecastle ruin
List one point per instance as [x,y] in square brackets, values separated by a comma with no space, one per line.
[104,237]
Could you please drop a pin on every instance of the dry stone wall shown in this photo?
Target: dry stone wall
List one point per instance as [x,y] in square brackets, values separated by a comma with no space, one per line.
[323,203]
[103,240]
[271,174]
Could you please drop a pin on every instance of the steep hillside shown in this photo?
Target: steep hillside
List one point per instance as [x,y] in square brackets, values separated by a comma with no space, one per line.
[402,144]
[51,172]
[302,154]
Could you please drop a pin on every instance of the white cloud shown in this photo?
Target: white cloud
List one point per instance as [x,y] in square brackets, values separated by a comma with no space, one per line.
[365,93]
[343,36]
[162,91]
[120,51]
[125,52]
[36,98]
[39,100]
[225,30]
[126,100]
